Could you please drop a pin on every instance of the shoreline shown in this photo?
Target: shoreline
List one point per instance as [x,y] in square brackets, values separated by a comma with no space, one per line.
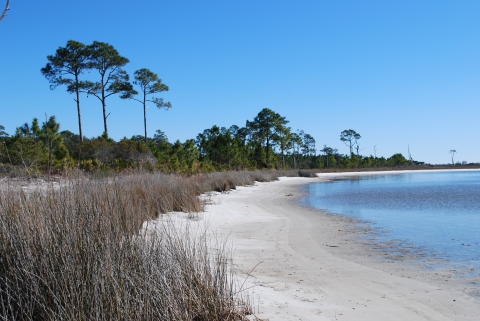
[312,266]
[332,175]
[400,251]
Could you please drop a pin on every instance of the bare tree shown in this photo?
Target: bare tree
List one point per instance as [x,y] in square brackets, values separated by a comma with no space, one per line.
[375,150]
[410,159]
[357,147]
[452,151]
[7,7]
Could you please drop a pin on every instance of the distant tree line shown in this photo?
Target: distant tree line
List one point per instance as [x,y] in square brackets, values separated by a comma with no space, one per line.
[264,142]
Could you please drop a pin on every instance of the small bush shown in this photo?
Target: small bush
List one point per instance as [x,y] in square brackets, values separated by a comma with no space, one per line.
[306,173]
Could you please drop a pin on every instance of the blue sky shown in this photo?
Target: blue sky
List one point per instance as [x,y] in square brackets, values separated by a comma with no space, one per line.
[398,72]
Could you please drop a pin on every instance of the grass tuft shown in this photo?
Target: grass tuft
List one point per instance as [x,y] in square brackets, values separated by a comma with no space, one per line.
[82,252]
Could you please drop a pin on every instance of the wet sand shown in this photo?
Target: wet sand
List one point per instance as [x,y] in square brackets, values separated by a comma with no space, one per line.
[310,265]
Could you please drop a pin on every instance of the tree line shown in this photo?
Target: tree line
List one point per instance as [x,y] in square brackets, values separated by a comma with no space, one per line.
[263,142]
[266,141]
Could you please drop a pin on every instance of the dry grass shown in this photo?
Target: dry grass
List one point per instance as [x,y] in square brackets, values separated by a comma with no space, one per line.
[225,181]
[79,252]
[76,254]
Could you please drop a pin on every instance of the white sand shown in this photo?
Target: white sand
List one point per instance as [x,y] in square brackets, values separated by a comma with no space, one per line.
[310,266]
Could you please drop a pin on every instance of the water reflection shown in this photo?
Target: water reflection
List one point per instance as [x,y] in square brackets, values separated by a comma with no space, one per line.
[439,211]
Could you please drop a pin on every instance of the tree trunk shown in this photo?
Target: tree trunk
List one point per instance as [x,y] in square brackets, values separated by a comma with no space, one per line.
[105,126]
[243,155]
[80,131]
[294,161]
[78,110]
[268,150]
[104,105]
[145,114]
[50,159]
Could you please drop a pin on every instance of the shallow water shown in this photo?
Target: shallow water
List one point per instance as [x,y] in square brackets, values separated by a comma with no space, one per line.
[435,212]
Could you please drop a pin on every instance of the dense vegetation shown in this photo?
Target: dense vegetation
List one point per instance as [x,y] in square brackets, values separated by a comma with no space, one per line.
[264,142]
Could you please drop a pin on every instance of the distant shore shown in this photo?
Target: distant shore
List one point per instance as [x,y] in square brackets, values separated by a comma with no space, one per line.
[386,171]
[312,266]
[403,169]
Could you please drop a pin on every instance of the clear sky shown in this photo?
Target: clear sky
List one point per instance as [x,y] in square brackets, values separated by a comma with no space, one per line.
[398,72]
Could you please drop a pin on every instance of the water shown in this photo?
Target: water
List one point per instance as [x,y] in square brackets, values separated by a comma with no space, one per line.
[438,212]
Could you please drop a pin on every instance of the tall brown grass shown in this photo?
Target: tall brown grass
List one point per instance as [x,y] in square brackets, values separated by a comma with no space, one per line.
[79,252]
[225,181]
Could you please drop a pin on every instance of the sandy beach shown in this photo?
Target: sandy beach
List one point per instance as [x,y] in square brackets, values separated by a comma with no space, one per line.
[310,265]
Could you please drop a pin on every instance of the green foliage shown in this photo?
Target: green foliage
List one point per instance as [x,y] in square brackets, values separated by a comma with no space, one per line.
[51,138]
[320,163]
[397,160]
[308,146]
[346,162]
[34,147]
[149,84]
[104,58]
[130,154]
[72,142]
[3,133]
[284,138]
[296,141]
[350,138]
[328,158]
[218,146]
[266,127]
[26,152]
[69,61]
[65,68]
[264,142]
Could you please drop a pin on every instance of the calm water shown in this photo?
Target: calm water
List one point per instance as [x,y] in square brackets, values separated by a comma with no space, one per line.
[438,212]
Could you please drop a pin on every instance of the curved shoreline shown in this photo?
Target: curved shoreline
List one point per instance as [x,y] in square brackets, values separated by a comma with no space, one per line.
[401,252]
[313,267]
